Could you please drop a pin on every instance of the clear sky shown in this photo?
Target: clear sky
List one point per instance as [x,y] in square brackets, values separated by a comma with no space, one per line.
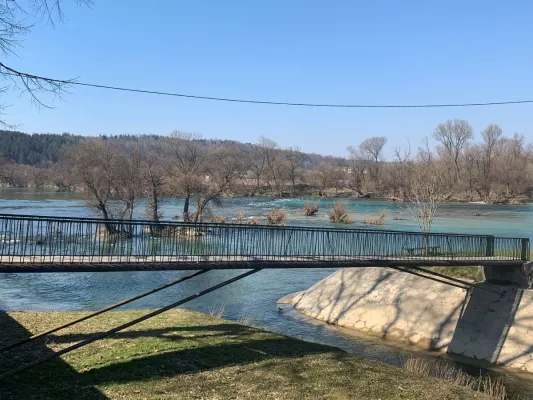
[374,52]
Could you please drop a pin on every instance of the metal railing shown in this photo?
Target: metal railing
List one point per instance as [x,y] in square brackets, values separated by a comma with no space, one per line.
[54,240]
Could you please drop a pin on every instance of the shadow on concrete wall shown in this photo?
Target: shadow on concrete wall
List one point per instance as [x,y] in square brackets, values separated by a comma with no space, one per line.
[484,325]
[519,347]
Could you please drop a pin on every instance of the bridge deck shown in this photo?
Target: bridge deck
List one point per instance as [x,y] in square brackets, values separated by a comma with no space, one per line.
[46,244]
[106,264]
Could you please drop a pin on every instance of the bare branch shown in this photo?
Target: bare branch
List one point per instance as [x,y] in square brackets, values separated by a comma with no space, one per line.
[17,20]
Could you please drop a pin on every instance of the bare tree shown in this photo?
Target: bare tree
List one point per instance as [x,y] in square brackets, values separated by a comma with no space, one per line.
[15,175]
[358,169]
[127,186]
[373,149]
[256,166]
[187,166]
[61,176]
[294,165]
[469,159]
[425,154]
[39,176]
[224,171]
[3,168]
[322,177]
[338,178]
[275,167]
[153,175]
[453,135]
[486,154]
[514,160]
[94,165]
[400,172]
[428,189]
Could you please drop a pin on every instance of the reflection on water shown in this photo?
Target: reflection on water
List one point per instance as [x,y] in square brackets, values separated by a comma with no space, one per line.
[253,298]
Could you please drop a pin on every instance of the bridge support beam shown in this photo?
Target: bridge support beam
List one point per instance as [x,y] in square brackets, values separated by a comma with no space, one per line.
[520,276]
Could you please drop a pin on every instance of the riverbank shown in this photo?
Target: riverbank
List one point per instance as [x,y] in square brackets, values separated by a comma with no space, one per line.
[312,195]
[184,354]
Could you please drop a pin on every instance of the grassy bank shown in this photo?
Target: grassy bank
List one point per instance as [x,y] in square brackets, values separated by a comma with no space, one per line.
[469,273]
[473,273]
[187,355]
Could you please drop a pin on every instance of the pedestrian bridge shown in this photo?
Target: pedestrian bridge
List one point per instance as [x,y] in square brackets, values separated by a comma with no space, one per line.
[50,244]
[53,244]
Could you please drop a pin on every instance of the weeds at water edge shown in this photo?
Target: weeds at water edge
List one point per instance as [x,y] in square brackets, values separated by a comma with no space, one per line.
[493,387]
[217,311]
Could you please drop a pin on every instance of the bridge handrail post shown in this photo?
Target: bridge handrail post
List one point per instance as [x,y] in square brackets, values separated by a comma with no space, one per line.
[489,251]
[525,250]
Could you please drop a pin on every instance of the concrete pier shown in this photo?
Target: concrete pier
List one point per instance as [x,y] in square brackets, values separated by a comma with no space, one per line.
[480,324]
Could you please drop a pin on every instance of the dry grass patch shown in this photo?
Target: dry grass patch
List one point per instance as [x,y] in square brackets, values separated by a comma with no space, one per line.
[441,370]
[379,221]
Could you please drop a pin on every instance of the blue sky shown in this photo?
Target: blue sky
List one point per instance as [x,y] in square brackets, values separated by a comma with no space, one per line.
[374,52]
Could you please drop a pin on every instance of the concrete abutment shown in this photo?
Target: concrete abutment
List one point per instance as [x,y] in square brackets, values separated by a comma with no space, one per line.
[494,325]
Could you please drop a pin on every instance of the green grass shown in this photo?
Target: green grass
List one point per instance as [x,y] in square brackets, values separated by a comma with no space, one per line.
[470,273]
[187,355]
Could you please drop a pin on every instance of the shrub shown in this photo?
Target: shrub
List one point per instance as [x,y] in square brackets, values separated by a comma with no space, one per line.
[276,217]
[379,221]
[217,219]
[338,214]
[239,218]
[310,209]
[253,221]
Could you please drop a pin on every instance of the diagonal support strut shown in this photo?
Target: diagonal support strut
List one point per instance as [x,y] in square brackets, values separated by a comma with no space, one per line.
[103,310]
[105,334]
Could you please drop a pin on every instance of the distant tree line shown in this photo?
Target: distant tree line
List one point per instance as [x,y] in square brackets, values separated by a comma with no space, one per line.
[117,171]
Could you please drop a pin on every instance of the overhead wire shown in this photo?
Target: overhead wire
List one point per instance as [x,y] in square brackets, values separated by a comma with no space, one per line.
[11,72]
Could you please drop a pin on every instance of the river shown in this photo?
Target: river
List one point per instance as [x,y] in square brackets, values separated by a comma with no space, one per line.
[254,298]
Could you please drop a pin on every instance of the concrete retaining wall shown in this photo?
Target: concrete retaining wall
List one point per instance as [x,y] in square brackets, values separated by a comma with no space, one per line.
[483,325]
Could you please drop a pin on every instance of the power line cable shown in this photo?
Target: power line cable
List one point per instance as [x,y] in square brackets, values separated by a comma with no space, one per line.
[11,72]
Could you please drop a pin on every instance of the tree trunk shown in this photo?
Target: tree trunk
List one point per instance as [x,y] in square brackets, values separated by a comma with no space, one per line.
[186,208]
[155,206]
[111,229]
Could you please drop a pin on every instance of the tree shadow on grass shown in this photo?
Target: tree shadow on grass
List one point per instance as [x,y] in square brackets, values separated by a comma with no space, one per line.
[38,382]
[198,359]
[168,333]
[56,379]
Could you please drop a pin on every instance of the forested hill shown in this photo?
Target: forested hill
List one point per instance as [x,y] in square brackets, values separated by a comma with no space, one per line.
[496,167]
[41,149]
[34,149]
